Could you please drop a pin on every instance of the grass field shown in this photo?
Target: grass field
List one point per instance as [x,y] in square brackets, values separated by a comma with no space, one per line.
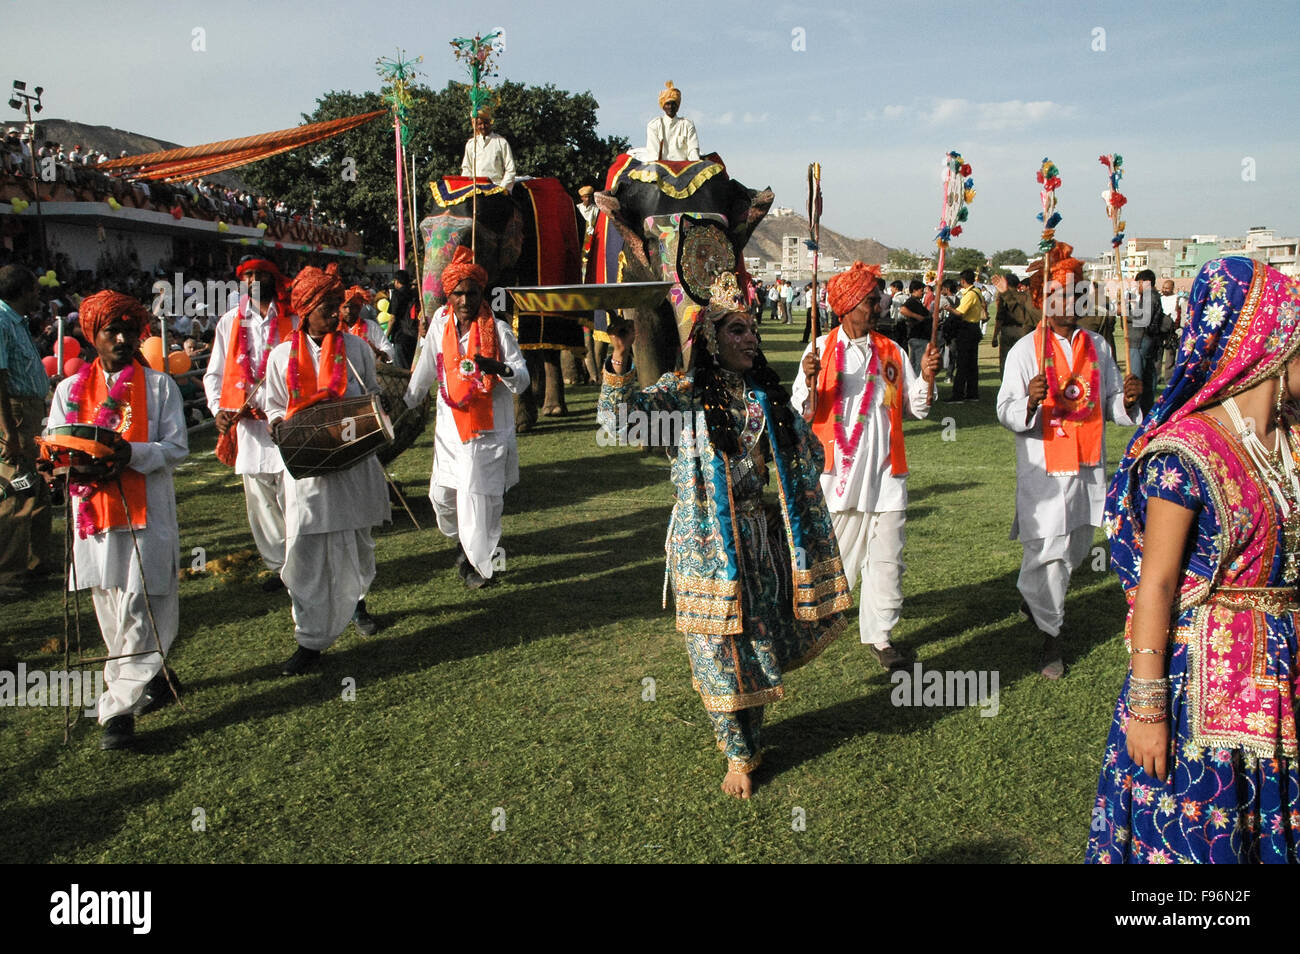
[510,724]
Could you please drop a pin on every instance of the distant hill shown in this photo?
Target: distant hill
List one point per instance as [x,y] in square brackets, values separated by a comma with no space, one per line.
[766,241]
[112,141]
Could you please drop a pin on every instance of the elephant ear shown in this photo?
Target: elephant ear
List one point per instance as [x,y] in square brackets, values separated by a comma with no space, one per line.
[703,251]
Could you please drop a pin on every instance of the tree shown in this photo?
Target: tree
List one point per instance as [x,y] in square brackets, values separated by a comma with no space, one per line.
[900,259]
[551,131]
[1009,256]
[960,259]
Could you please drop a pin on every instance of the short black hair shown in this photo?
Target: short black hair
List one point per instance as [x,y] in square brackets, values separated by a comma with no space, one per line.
[916,286]
[896,284]
[949,284]
[968,276]
[1146,275]
[16,281]
[1013,280]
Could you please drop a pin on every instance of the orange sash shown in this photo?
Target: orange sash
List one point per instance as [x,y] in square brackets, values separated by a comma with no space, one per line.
[1072,421]
[105,502]
[892,378]
[238,375]
[309,383]
[473,416]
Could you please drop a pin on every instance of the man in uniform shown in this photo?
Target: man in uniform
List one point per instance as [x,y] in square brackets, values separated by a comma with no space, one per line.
[670,136]
[488,154]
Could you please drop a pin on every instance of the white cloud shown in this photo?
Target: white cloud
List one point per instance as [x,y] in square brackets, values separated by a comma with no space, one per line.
[755,117]
[995,116]
[894,112]
[726,119]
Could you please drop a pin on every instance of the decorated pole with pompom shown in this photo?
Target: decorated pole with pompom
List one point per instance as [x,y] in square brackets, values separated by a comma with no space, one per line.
[477,53]
[958,193]
[1049,177]
[398,73]
[1115,200]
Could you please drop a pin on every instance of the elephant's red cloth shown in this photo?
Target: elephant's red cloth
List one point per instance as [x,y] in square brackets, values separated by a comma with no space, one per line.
[103,308]
[466,390]
[847,289]
[559,258]
[311,287]
[461,267]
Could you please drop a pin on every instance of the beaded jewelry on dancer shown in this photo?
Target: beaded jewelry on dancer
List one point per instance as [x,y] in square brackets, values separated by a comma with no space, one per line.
[1149,694]
[724,299]
[1278,470]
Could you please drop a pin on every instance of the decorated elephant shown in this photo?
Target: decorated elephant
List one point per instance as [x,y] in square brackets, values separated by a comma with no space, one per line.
[526,237]
[680,222]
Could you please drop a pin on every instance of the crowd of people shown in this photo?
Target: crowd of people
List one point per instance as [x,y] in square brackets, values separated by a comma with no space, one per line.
[789,496]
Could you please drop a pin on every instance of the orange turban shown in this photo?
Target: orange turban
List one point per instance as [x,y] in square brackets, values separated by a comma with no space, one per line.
[103,308]
[311,286]
[1065,270]
[848,289]
[460,268]
[669,92]
[356,293]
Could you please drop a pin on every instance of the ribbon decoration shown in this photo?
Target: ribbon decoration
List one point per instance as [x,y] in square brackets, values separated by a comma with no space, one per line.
[1116,200]
[477,52]
[814,244]
[1049,177]
[958,193]
[397,73]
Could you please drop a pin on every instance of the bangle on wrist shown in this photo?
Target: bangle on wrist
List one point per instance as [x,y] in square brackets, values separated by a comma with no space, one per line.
[1144,651]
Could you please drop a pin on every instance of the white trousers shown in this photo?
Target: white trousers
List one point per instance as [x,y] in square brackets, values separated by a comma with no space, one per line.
[124,623]
[871,547]
[473,518]
[1045,574]
[326,575]
[264,499]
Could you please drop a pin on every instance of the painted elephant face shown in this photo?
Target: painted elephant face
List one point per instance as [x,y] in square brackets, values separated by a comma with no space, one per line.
[692,250]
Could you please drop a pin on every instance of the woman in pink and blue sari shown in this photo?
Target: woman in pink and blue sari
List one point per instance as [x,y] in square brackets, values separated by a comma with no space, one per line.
[1203,518]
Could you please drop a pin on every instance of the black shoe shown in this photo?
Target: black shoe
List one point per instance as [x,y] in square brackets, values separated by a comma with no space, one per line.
[158,693]
[889,657]
[119,733]
[367,625]
[272,585]
[462,561]
[473,581]
[301,662]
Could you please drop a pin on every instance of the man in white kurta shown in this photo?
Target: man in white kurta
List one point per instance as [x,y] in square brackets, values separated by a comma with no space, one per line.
[670,136]
[329,559]
[866,499]
[488,154]
[470,478]
[257,460]
[125,587]
[1056,514]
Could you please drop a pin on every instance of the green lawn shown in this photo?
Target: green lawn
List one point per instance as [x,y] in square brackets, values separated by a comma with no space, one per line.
[523,702]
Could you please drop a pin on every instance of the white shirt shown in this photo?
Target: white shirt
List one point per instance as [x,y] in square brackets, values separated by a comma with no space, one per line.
[375,335]
[349,499]
[257,453]
[871,486]
[671,137]
[589,214]
[108,559]
[495,160]
[1046,505]
[489,463]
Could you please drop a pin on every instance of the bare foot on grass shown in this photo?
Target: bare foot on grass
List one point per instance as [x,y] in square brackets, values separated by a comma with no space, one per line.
[737,784]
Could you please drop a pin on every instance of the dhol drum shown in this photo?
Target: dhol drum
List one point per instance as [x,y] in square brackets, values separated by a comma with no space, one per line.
[327,438]
[408,422]
[66,444]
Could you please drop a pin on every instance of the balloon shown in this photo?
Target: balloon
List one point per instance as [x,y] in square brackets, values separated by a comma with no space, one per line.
[72,366]
[177,212]
[222,227]
[151,348]
[382,305]
[114,204]
[178,362]
[71,346]
[50,362]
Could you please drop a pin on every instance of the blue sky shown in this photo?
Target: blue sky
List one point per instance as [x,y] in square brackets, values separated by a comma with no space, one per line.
[1186,92]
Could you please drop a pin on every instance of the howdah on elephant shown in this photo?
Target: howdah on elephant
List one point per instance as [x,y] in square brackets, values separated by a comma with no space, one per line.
[526,237]
[680,222]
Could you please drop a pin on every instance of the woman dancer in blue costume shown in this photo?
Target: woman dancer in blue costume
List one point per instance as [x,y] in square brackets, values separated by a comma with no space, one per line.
[757,581]
[1204,522]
